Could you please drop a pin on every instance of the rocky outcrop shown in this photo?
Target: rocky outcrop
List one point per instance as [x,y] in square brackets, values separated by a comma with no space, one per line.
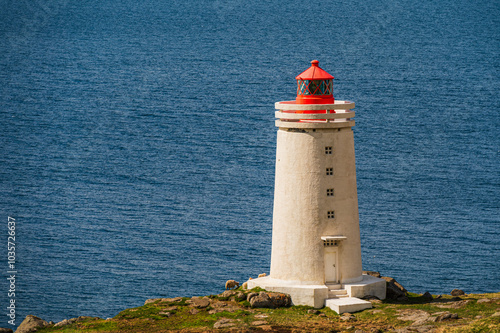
[395,291]
[457,292]
[31,324]
[5,330]
[270,300]
[200,303]
[225,323]
[74,320]
[228,293]
[168,300]
[427,296]
[251,295]
[444,316]
[372,273]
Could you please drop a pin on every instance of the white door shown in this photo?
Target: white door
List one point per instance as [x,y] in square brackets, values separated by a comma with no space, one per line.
[330,264]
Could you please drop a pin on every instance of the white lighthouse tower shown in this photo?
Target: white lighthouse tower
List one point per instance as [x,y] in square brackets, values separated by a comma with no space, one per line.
[316,250]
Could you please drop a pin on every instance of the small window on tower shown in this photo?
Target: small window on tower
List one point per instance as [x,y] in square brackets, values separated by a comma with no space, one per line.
[329,171]
[328,150]
[331,214]
[329,192]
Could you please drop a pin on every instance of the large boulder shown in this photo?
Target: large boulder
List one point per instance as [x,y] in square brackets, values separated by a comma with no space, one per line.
[394,290]
[31,324]
[199,302]
[427,296]
[457,292]
[270,300]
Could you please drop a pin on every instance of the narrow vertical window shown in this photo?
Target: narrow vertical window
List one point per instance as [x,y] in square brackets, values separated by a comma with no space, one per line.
[329,192]
[328,150]
[329,171]
[331,214]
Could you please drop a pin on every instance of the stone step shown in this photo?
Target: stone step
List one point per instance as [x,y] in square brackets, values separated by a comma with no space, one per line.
[347,304]
[337,293]
[333,286]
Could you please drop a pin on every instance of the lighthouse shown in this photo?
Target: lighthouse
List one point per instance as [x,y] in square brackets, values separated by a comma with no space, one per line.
[316,249]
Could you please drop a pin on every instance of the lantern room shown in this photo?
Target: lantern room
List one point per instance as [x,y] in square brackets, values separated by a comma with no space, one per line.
[314,86]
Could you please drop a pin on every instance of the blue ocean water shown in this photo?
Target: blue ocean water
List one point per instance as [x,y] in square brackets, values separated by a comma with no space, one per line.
[138,142]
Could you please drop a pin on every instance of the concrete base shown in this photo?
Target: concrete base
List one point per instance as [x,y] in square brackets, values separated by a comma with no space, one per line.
[347,304]
[302,294]
[370,285]
[316,295]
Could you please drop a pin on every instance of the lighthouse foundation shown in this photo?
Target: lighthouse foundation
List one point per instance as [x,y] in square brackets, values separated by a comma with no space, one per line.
[339,297]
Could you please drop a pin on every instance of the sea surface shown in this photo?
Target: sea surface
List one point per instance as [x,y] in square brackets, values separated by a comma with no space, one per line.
[138,142]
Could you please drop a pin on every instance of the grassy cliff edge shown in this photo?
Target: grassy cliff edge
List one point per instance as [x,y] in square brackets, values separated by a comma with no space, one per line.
[231,312]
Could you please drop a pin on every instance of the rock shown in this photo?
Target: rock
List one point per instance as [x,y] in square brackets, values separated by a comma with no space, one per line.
[5,330]
[62,323]
[259,323]
[73,320]
[262,315]
[347,317]
[152,300]
[496,314]
[372,273]
[457,292]
[446,316]
[454,305]
[165,313]
[359,331]
[427,296]
[171,300]
[394,290]
[316,312]
[194,311]
[224,322]
[170,309]
[219,306]
[271,300]
[240,296]
[31,324]
[228,293]
[250,295]
[417,316]
[322,315]
[484,300]
[200,303]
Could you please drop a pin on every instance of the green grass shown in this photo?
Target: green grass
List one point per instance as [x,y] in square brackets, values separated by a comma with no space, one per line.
[473,317]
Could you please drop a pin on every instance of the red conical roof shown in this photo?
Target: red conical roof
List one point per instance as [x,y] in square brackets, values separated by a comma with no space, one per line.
[314,73]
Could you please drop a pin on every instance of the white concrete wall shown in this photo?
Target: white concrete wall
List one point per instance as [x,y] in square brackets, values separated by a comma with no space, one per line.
[301,205]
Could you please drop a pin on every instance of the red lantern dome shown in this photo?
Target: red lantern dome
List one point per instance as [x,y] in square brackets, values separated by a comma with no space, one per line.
[314,86]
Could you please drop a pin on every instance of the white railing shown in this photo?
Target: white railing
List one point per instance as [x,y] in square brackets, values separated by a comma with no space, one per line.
[292,115]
